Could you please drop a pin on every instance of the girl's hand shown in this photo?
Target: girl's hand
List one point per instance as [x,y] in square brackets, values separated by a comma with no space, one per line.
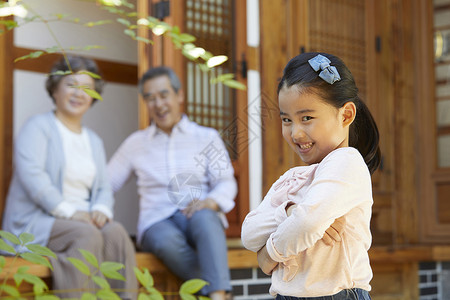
[265,262]
[82,216]
[333,233]
[99,219]
[289,208]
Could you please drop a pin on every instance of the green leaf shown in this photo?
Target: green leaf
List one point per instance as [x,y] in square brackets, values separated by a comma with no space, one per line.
[109,270]
[23,269]
[207,55]
[143,296]
[18,278]
[92,93]
[127,4]
[39,288]
[80,265]
[192,286]
[203,298]
[61,16]
[235,84]
[144,278]
[47,297]
[188,56]
[88,256]
[89,47]
[30,19]
[177,43]
[222,77]
[10,290]
[9,24]
[88,296]
[155,294]
[114,10]
[36,258]
[95,76]
[97,23]
[5,247]
[226,76]
[108,295]
[30,278]
[124,22]
[203,67]
[130,33]
[186,38]
[145,40]
[2,262]
[152,20]
[176,30]
[60,73]
[101,282]
[34,54]
[10,237]
[216,60]
[53,49]
[185,296]
[41,250]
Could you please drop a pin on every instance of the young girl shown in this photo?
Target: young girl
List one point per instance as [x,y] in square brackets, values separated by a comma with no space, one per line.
[331,129]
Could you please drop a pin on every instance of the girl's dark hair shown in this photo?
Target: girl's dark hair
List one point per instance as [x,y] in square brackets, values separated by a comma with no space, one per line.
[77,63]
[364,134]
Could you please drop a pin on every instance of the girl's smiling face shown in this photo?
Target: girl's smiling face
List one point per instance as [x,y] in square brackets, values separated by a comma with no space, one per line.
[312,127]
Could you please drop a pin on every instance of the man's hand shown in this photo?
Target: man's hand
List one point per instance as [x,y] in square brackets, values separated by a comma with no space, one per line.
[265,262]
[82,216]
[99,219]
[333,233]
[197,205]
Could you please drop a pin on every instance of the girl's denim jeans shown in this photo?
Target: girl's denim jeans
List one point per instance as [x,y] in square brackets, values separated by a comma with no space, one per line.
[350,294]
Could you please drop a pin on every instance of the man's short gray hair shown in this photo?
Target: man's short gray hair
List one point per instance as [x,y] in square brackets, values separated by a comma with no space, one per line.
[157,72]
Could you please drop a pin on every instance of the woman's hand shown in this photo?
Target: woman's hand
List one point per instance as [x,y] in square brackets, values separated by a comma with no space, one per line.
[82,216]
[99,219]
[265,262]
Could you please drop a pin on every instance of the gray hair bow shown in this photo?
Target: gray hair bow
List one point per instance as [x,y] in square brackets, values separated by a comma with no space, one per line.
[329,73]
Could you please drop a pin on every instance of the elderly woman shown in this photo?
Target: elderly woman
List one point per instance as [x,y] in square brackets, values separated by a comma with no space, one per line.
[60,191]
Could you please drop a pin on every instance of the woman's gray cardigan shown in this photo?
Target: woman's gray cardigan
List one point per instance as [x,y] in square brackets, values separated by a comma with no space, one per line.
[36,186]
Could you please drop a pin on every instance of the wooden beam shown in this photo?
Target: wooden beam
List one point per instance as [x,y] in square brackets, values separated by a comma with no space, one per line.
[242,258]
[112,71]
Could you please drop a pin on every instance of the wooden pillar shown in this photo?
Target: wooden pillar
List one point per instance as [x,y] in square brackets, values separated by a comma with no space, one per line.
[277,156]
[405,118]
[6,114]
[162,51]
[143,59]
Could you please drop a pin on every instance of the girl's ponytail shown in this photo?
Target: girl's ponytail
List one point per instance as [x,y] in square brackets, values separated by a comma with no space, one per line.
[364,136]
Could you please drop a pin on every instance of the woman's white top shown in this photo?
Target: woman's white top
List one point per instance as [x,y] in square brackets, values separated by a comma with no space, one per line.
[79,174]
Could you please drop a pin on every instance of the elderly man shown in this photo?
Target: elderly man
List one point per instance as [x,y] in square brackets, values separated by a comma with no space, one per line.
[185,183]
